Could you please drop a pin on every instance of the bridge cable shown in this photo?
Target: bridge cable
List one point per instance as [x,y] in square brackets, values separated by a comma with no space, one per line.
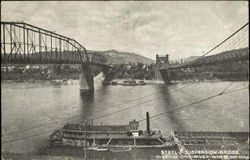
[104,115]
[191,104]
[113,106]
[157,115]
[211,98]
[226,88]
[139,104]
[220,43]
[180,88]
[240,37]
[101,111]
[219,105]
[236,87]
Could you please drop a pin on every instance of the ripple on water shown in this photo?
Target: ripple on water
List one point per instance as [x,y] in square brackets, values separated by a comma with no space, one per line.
[27,105]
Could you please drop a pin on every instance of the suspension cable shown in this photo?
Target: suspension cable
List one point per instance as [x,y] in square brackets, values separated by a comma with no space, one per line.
[101,111]
[191,104]
[157,115]
[226,88]
[221,42]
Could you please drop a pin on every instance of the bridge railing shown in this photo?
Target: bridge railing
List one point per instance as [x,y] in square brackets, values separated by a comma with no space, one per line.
[25,43]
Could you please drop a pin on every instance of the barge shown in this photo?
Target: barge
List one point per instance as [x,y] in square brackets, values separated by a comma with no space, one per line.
[133,82]
[111,136]
[124,138]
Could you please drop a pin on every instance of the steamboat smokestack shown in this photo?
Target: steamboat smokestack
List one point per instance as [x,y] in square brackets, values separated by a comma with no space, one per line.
[148,123]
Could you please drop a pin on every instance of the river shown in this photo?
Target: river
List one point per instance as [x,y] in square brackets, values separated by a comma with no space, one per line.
[35,110]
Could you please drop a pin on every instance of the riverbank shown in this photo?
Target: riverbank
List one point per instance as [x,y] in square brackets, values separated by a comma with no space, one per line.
[22,77]
[49,107]
[76,81]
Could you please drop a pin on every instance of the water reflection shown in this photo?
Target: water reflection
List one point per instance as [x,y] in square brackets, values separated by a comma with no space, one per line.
[169,105]
[86,105]
[26,106]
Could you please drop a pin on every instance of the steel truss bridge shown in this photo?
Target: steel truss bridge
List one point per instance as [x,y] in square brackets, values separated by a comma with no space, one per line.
[22,43]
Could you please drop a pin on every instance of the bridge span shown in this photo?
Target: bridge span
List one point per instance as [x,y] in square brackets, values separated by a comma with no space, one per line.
[233,50]
[23,43]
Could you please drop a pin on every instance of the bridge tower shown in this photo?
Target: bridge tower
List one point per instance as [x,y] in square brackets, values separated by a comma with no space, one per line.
[161,61]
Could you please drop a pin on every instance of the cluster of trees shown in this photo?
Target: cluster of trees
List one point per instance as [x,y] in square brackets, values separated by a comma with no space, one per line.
[224,71]
[136,71]
[58,71]
[39,72]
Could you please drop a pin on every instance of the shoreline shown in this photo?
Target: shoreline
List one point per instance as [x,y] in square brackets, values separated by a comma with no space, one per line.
[70,81]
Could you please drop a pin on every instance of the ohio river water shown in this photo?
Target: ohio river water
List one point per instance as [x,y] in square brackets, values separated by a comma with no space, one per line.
[30,109]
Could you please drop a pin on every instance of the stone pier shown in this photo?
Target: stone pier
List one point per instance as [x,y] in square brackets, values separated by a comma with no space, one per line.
[86,79]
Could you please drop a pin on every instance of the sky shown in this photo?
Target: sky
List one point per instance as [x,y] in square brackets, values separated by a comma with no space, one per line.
[178,28]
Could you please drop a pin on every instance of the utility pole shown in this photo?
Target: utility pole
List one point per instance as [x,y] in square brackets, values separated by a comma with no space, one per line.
[86,128]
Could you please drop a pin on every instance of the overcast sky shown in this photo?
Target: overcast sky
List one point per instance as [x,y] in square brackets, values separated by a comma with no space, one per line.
[181,29]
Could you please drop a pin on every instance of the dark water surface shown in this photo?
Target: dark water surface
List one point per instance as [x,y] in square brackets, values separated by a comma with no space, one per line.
[35,110]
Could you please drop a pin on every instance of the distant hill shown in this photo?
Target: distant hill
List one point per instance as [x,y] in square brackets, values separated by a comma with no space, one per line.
[116,57]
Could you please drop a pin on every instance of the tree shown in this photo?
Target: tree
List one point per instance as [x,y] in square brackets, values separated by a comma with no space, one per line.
[139,75]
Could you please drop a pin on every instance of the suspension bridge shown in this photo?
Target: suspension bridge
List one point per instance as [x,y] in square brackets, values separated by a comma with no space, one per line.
[233,50]
[22,43]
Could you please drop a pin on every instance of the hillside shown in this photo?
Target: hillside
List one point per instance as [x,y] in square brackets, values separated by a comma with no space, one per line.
[230,65]
[116,57]
[191,58]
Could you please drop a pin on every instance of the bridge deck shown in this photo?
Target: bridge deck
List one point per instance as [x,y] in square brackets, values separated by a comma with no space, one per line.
[25,43]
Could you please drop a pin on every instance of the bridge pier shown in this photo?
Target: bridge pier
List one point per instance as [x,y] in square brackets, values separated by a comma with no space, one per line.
[86,80]
[162,75]
[109,75]
[166,76]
